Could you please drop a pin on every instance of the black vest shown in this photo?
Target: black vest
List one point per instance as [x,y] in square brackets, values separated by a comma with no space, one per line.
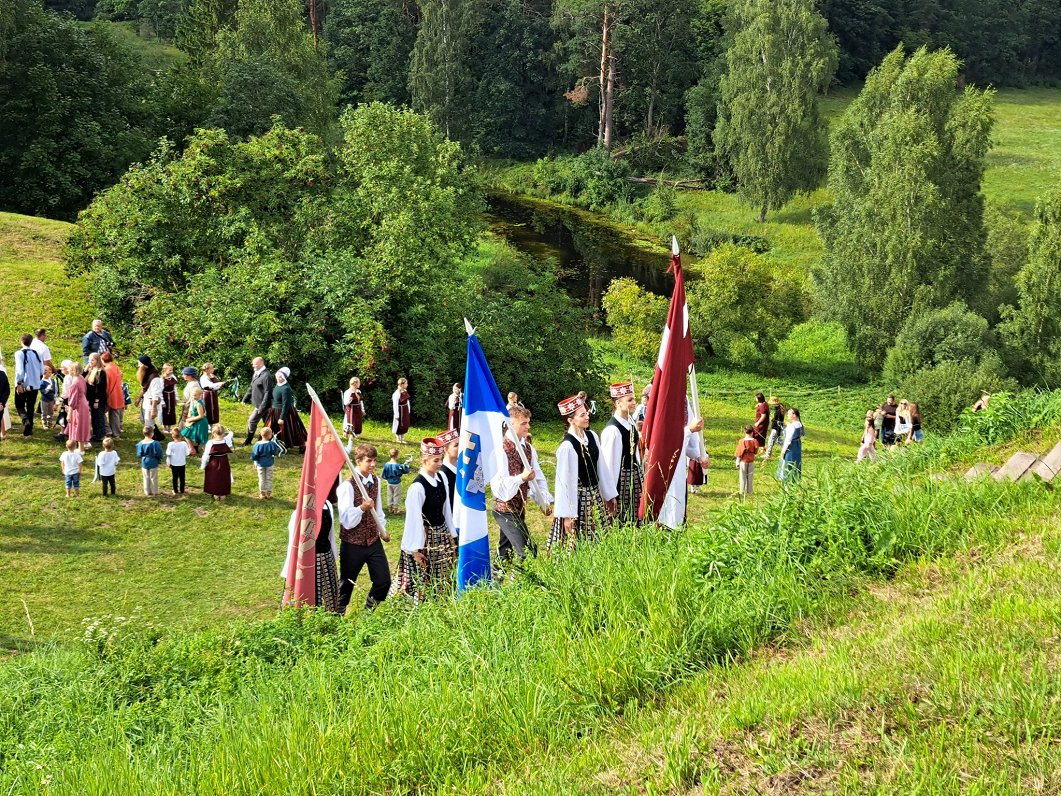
[451,479]
[628,461]
[587,458]
[324,543]
[434,500]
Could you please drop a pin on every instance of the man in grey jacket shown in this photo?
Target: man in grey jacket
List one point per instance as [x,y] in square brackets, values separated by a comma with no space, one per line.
[260,394]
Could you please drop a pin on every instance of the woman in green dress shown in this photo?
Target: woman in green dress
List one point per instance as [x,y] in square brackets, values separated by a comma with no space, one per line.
[196,426]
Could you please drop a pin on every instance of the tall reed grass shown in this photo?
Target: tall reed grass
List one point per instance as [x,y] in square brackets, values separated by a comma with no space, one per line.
[447,696]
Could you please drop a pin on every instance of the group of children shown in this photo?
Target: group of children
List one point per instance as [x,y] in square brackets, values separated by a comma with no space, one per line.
[217,479]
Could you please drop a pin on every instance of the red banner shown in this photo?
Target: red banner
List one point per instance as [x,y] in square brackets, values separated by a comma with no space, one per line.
[323,462]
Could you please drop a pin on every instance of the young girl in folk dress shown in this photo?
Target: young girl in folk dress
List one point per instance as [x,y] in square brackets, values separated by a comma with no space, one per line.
[426,562]
[218,480]
[211,387]
[453,403]
[196,426]
[353,413]
[402,410]
[169,397]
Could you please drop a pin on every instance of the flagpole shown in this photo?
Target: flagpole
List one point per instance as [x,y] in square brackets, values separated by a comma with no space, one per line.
[364,492]
[538,497]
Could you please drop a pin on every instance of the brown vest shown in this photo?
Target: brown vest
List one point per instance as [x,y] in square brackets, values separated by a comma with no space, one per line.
[518,503]
[366,532]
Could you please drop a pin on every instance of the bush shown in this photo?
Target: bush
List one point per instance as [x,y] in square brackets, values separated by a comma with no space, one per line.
[929,338]
[635,316]
[943,391]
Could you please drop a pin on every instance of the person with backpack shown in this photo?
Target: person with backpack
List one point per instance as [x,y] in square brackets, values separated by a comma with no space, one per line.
[29,370]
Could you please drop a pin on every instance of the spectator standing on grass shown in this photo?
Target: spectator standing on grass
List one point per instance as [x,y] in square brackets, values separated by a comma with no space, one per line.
[29,370]
[260,395]
[264,454]
[196,427]
[211,388]
[868,448]
[49,392]
[169,397]
[353,413]
[107,465]
[744,458]
[177,452]
[762,418]
[150,398]
[42,349]
[902,423]
[191,380]
[150,454]
[5,397]
[790,468]
[96,340]
[79,413]
[96,394]
[284,420]
[393,471]
[115,395]
[70,461]
[916,434]
[777,425]
[890,409]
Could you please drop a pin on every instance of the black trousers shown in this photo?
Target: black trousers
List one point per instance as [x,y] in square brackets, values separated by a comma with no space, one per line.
[107,479]
[26,405]
[177,473]
[352,557]
[515,536]
[99,423]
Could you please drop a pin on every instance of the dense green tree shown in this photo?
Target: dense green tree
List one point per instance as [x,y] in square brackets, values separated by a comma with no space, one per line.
[270,39]
[197,29]
[371,43]
[440,77]
[1006,248]
[701,100]
[906,222]
[73,112]
[1032,328]
[769,126]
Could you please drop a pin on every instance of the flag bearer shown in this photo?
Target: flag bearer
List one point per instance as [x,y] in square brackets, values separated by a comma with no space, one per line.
[582,499]
[620,458]
[450,441]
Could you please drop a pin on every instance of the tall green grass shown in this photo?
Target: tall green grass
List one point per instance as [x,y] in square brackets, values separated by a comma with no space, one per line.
[450,695]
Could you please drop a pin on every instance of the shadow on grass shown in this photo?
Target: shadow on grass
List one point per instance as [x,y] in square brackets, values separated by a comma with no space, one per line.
[57,540]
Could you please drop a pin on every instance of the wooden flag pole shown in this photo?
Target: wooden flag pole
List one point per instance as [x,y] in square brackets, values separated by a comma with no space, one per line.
[361,487]
[538,497]
[694,386]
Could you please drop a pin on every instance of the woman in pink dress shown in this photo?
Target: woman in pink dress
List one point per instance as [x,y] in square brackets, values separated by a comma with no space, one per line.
[79,416]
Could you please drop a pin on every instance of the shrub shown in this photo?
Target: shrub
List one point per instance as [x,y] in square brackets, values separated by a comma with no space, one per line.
[635,316]
[942,391]
[929,338]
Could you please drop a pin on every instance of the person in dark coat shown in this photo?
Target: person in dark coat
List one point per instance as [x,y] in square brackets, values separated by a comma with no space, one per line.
[283,417]
[260,395]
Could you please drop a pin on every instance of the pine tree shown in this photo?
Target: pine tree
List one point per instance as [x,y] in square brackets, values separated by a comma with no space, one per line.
[769,126]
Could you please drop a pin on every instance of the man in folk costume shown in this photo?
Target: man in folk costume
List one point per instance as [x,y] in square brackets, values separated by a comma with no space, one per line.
[512,489]
[450,441]
[620,454]
[583,502]
[425,566]
[362,531]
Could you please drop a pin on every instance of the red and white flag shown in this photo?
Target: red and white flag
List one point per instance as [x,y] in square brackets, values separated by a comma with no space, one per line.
[323,462]
[664,431]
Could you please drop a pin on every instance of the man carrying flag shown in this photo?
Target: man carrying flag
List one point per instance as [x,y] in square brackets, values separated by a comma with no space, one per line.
[480,457]
[309,571]
[671,431]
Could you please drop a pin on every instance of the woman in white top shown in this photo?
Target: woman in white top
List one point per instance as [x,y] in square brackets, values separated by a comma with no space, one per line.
[402,410]
[150,398]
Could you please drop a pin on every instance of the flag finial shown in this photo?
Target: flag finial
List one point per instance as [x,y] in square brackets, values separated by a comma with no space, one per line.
[674,245]
[469,327]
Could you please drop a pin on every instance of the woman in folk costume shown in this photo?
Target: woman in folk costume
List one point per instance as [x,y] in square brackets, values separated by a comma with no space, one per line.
[218,474]
[583,502]
[150,398]
[450,444]
[453,403]
[196,425]
[402,410]
[426,562]
[283,417]
[169,397]
[353,412]
[325,581]
[211,389]
[620,455]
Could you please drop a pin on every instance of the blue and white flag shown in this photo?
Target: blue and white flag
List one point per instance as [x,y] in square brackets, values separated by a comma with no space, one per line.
[481,455]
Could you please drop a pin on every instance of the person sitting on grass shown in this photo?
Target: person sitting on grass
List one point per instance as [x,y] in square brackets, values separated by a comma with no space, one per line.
[71,460]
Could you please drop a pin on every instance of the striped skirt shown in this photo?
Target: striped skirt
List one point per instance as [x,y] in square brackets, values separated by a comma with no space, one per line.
[436,577]
[592,521]
[628,501]
[327,586]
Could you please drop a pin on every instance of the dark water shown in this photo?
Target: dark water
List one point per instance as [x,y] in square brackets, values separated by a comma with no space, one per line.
[589,255]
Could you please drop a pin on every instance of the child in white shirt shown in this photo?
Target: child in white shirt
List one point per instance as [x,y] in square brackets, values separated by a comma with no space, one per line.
[71,463]
[107,464]
[177,459]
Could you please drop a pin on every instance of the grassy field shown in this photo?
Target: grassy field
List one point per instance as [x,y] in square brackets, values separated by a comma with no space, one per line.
[157,56]
[191,563]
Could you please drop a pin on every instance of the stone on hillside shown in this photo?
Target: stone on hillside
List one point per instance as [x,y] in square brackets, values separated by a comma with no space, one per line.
[1040,468]
[1053,459]
[980,471]
[1019,463]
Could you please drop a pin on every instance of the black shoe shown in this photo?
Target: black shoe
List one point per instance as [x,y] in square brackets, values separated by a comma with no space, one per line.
[27,431]
[248,440]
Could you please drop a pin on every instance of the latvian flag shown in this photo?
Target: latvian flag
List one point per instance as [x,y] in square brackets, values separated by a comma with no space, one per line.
[664,434]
